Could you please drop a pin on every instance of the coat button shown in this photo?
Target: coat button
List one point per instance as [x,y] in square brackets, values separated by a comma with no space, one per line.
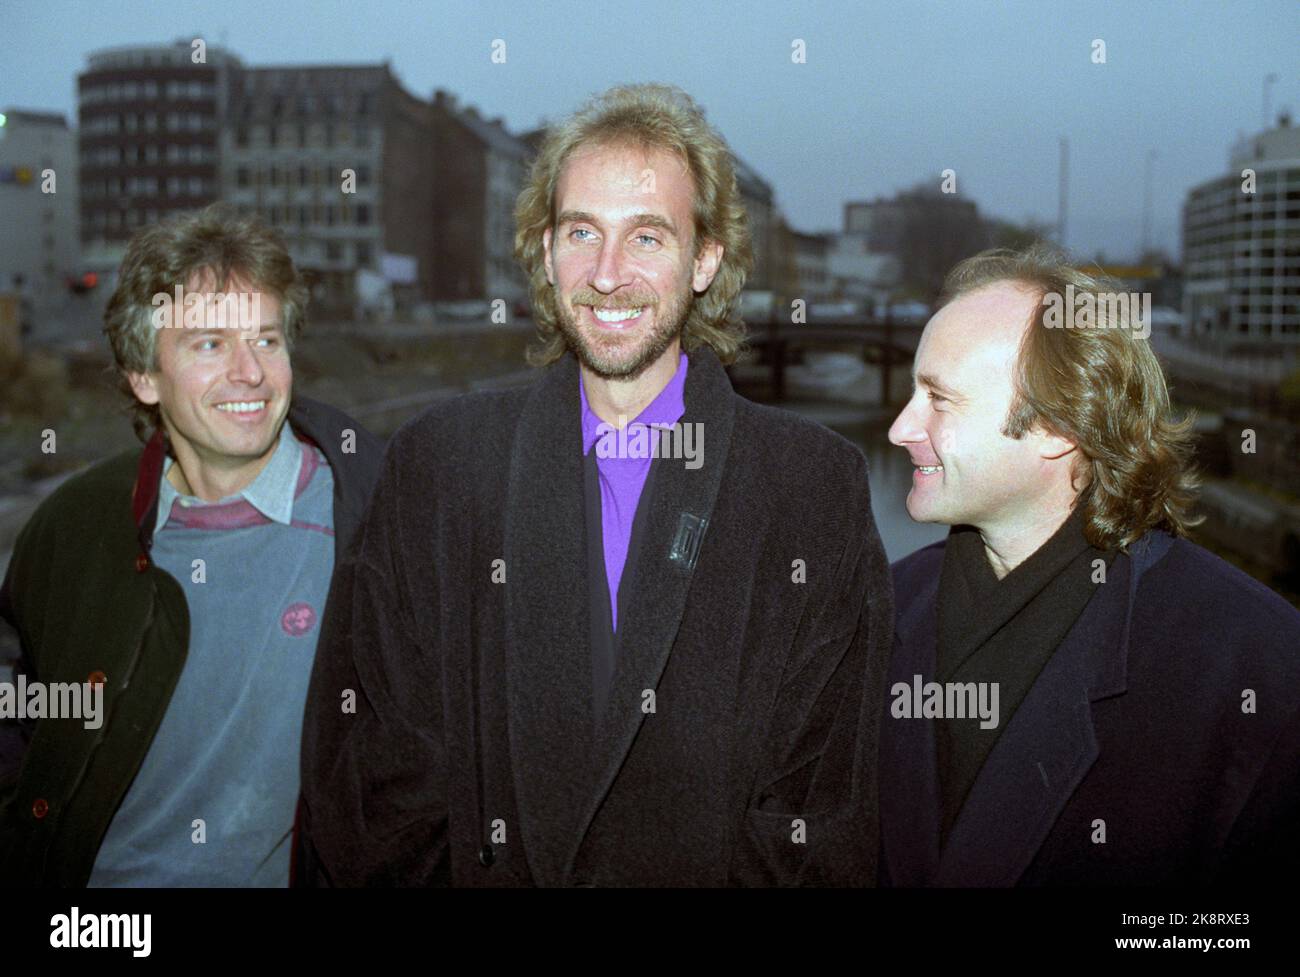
[141,563]
[96,678]
[487,855]
[40,808]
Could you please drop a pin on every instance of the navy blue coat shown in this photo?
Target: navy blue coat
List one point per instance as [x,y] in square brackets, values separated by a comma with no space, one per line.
[1136,726]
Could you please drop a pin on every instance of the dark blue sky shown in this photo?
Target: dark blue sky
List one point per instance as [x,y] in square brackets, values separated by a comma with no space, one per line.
[892,93]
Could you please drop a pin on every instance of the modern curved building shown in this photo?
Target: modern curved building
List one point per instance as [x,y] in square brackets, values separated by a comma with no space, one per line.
[1241,249]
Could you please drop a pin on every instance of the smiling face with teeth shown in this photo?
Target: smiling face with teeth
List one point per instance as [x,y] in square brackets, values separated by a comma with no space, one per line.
[622,260]
[223,394]
[966,470]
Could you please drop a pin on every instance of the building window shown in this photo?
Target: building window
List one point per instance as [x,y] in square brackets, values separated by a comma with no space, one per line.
[333,251]
[241,176]
[363,252]
[363,214]
[241,136]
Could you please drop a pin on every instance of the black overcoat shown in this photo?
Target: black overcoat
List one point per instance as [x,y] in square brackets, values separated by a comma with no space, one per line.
[449,732]
[1159,746]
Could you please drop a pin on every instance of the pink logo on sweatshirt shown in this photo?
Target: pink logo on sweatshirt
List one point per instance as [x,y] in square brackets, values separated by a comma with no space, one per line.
[298,619]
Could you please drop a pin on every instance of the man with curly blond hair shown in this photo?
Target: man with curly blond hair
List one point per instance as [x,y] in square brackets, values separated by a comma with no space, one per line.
[1078,694]
[622,627]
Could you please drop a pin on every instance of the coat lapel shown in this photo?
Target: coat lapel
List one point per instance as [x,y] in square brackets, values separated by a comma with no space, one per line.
[1050,744]
[909,798]
[562,768]
[662,584]
[1041,757]
[548,661]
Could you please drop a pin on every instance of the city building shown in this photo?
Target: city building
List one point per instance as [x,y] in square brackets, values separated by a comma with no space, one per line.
[478,169]
[40,247]
[149,117]
[812,268]
[1241,245]
[867,279]
[758,199]
[337,158]
[924,229]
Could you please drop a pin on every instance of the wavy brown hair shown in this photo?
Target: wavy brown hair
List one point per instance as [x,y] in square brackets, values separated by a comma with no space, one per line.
[647,117]
[215,245]
[1101,388]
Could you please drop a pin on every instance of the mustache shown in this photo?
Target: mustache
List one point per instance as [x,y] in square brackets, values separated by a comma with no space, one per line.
[630,300]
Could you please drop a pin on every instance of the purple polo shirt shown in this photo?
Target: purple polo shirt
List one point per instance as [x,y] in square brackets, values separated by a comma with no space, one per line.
[622,477]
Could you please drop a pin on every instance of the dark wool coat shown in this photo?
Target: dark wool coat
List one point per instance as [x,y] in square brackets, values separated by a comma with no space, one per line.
[86,599]
[470,756]
[1136,726]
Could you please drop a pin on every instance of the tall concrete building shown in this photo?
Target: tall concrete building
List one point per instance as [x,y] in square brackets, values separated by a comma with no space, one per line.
[336,157]
[1241,245]
[149,118]
[39,249]
[478,169]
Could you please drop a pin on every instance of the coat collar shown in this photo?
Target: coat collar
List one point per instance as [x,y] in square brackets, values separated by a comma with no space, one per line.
[1045,751]
[563,767]
[312,421]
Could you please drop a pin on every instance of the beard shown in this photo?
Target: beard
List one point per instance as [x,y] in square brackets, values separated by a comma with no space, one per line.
[616,356]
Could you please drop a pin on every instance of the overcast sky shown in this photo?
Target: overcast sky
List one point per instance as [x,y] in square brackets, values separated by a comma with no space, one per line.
[891,93]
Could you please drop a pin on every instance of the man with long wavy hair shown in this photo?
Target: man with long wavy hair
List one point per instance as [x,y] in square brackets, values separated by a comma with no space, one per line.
[1078,694]
[622,627]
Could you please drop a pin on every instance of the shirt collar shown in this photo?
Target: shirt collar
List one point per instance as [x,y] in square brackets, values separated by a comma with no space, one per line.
[270,493]
[666,409]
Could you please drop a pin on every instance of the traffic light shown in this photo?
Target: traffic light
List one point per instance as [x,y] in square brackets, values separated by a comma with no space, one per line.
[83,284]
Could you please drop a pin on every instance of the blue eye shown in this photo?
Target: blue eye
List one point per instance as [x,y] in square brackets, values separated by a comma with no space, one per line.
[647,237]
[579,230]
